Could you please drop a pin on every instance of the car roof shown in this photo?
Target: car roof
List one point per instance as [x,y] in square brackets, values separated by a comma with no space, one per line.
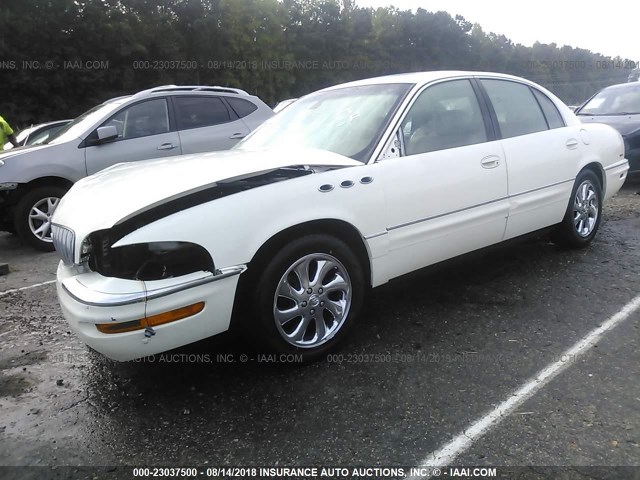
[425,77]
[623,86]
[181,90]
[192,89]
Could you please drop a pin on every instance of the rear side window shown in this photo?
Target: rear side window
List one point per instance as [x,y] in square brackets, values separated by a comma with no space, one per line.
[517,110]
[241,107]
[554,119]
[195,112]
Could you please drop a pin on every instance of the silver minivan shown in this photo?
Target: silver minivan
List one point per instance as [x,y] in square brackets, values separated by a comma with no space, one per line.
[159,122]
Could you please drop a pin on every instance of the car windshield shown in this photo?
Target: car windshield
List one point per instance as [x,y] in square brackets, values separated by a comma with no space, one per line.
[614,101]
[79,126]
[348,121]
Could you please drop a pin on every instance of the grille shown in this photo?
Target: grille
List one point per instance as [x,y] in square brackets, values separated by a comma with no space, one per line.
[64,240]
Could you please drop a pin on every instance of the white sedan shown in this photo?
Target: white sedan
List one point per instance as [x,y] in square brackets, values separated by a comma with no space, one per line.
[345,189]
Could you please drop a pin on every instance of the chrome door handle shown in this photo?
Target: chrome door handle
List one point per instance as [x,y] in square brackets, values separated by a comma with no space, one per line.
[492,161]
[238,136]
[167,146]
[572,144]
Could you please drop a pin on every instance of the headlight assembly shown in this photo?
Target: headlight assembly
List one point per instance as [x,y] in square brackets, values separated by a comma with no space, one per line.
[145,261]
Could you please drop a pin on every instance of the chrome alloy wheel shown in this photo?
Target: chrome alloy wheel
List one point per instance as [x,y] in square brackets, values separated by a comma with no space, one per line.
[40,218]
[585,209]
[312,300]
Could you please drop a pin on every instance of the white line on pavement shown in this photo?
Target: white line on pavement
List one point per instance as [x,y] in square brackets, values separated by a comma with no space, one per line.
[13,290]
[447,453]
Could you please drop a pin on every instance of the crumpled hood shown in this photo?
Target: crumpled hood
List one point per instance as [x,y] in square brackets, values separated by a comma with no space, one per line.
[102,200]
[625,124]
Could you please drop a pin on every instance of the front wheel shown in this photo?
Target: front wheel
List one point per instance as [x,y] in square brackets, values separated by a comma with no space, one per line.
[307,297]
[33,215]
[582,218]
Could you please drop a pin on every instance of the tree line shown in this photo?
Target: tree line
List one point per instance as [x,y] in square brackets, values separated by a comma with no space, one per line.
[61,57]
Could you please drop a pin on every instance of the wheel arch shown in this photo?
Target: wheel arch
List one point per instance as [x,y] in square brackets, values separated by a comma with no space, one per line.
[340,229]
[51,181]
[598,170]
[24,188]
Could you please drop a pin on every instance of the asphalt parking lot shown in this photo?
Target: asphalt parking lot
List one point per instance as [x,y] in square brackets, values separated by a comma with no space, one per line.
[434,353]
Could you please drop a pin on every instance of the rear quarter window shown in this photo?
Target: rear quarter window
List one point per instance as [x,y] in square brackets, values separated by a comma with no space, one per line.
[241,107]
[554,119]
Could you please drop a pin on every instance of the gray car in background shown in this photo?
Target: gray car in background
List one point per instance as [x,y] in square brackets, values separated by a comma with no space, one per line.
[159,122]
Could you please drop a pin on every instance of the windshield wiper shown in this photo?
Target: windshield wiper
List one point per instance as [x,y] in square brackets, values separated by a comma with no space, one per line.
[588,114]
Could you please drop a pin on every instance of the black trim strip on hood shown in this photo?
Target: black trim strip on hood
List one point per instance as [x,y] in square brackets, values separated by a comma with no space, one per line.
[215,191]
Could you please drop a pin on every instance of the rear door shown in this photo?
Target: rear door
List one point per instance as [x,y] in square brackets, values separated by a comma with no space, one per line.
[144,131]
[542,154]
[206,123]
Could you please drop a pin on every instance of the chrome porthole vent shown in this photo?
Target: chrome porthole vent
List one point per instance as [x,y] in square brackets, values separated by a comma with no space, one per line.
[327,187]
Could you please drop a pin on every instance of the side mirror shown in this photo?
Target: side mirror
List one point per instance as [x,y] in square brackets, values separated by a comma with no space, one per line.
[107,134]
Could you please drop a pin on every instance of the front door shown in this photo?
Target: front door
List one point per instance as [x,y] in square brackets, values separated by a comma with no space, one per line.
[447,193]
[143,133]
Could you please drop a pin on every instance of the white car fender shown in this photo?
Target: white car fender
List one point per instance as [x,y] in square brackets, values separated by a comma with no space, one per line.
[233,229]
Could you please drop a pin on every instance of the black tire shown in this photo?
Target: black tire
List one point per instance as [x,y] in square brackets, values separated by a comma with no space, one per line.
[23,209]
[566,234]
[257,299]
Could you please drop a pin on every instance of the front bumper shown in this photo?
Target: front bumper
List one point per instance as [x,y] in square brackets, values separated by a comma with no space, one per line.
[7,201]
[88,299]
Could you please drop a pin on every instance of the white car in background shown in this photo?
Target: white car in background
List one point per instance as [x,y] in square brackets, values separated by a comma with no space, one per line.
[345,189]
[37,134]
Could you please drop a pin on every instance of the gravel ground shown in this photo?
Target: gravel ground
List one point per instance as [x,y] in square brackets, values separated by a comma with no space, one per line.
[444,346]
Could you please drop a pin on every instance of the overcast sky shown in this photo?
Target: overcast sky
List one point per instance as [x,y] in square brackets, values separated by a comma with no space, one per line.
[610,27]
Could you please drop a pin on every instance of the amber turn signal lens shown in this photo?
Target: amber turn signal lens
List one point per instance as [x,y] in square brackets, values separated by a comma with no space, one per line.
[119,327]
[174,315]
[152,321]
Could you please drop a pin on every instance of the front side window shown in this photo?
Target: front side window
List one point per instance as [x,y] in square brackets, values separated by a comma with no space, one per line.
[141,120]
[196,112]
[446,115]
[517,110]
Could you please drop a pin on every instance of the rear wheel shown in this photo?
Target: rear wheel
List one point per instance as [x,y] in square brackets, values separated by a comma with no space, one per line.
[33,215]
[582,218]
[307,297]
